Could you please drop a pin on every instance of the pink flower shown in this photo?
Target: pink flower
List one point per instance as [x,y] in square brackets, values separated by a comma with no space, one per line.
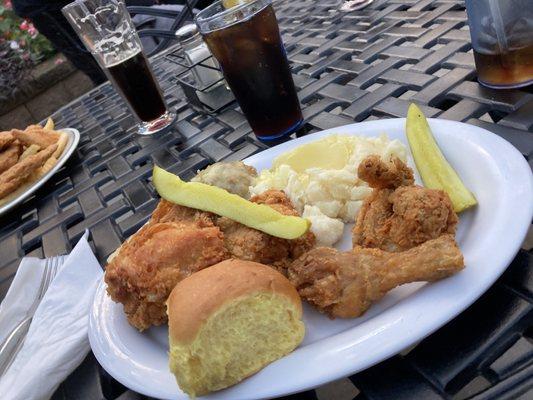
[59,61]
[33,31]
[24,25]
[8,5]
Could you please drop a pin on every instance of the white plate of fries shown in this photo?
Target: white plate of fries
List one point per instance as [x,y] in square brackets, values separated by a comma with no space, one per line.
[29,157]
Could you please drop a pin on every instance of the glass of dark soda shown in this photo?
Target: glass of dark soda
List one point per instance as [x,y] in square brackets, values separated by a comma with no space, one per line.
[502,41]
[106,29]
[244,37]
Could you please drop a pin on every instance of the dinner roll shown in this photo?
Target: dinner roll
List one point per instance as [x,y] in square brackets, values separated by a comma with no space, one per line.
[228,321]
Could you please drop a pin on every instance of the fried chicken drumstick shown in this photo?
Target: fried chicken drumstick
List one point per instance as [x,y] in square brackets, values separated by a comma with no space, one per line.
[399,215]
[346,284]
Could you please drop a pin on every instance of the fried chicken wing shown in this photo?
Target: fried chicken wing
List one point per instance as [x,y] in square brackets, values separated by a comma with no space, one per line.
[9,156]
[6,138]
[11,179]
[249,244]
[399,215]
[346,284]
[176,242]
[385,175]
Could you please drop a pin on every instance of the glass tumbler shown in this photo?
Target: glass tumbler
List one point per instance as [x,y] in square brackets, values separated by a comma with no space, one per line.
[502,41]
[106,29]
[246,42]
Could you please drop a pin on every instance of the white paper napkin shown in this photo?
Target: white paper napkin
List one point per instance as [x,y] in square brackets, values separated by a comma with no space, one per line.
[57,339]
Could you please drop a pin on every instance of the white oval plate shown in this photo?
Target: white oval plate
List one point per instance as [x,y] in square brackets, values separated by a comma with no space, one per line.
[73,140]
[489,236]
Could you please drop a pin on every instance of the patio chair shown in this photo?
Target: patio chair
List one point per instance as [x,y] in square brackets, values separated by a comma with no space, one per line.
[162,38]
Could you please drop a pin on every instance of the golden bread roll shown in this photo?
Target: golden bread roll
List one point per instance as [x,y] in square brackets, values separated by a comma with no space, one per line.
[228,321]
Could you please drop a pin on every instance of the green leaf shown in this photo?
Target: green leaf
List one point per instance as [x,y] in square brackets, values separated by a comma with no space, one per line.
[4,26]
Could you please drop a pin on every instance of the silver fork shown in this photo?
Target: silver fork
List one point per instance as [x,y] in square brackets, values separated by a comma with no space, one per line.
[15,339]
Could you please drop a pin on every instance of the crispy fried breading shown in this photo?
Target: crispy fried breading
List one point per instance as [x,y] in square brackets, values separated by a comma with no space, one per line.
[385,175]
[371,225]
[249,244]
[396,219]
[6,138]
[346,284]
[420,214]
[176,242]
[9,157]
[35,134]
[12,178]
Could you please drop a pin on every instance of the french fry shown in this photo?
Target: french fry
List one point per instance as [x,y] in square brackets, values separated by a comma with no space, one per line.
[16,193]
[61,143]
[43,146]
[30,151]
[49,124]
[47,166]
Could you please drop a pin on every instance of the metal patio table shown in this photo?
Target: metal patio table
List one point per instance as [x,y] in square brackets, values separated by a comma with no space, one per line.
[348,67]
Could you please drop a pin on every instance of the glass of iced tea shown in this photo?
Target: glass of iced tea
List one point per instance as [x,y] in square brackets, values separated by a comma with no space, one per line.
[106,29]
[244,37]
[502,41]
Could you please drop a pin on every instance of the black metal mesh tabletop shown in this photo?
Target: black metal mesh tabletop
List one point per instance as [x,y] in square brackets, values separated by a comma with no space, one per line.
[348,67]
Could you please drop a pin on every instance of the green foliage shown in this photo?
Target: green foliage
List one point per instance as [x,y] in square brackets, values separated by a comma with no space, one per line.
[13,68]
[22,37]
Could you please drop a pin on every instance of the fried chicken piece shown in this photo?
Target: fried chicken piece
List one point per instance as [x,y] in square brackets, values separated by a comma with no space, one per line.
[9,157]
[346,284]
[35,134]
[176,242]
[249,244]
[420,214]
[15,176]
[382,175]
[398,218]
[184,216]
[6,138]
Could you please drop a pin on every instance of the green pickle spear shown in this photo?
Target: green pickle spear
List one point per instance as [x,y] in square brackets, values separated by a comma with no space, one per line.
[434,169]
[219,201]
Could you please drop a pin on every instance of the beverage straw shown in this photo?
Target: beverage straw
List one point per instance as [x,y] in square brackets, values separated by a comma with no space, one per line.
[495,10]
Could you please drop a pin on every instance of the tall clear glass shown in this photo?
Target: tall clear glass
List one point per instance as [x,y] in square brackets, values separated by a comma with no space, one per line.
[106,29]
[502,40]
[245,40]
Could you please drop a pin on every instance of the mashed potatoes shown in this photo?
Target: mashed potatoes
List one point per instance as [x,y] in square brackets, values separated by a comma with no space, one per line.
[321,179]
